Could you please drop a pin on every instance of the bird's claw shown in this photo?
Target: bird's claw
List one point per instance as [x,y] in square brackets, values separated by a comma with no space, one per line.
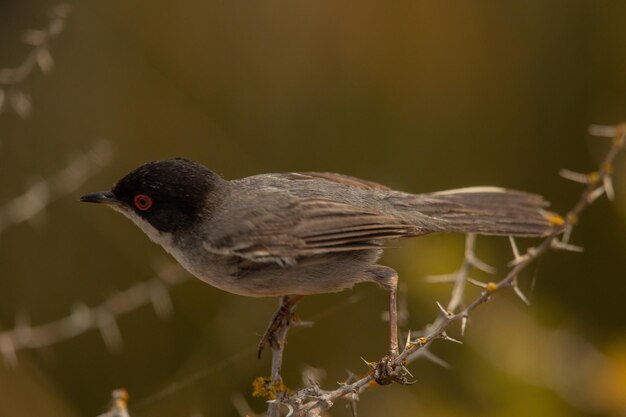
[283,317]
[388,370]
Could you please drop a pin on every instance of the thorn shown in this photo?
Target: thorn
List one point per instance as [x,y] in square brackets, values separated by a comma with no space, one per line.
[519,293]
[608,187]
[441,279]
[351,377]
[515,262]
[514,247]
[408,343]
[404,369]
[533,281]
[474,261]
[21,103]
[435,359]
[445,336]
[574,176]
[289,406]
[371,365]
[477,283]
[517,258]
[470,243]
[557,244]
[161,301]
[311,376]
[595,194]
[353,399]
[602,131]
[110,332]
[567,234]
[44,60]
[443,310]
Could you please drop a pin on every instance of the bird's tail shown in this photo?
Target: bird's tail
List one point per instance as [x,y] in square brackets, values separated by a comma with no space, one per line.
[485,210]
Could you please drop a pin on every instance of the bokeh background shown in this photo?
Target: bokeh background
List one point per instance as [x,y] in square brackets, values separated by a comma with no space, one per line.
[418,95]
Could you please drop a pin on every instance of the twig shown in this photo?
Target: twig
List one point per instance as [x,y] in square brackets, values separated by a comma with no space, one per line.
[101,317]
[309,403]
[44,191]
[39,56]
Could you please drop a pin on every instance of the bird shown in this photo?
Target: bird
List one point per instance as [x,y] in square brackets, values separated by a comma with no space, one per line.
[295,234]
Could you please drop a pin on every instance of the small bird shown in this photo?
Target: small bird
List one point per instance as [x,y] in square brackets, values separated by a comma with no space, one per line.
[302,233]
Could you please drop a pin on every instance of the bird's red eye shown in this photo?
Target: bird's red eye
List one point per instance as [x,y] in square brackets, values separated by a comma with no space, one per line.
[143,202]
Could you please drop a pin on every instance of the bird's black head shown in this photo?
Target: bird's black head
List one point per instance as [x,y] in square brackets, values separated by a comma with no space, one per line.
[171,194]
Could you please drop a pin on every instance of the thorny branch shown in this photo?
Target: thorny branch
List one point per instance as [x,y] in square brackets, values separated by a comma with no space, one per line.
[101,317]
[39,195]
[11,79]
[313,401]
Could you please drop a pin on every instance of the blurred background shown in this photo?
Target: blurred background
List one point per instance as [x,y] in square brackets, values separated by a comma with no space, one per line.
[421,96]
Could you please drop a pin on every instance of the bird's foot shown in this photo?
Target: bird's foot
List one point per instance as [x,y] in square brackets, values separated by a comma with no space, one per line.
[389,370]
[283,317]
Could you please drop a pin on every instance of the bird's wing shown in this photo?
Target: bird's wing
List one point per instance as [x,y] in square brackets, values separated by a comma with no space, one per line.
[347,180]
[279,227]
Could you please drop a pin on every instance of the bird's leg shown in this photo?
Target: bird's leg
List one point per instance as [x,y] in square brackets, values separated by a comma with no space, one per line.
[393,318]
[282,318]
[387,370]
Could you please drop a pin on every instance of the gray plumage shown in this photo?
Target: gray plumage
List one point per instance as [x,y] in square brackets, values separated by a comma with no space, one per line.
[304,233]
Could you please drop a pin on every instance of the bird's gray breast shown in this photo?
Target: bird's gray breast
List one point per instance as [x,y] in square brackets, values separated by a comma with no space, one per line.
[316,274]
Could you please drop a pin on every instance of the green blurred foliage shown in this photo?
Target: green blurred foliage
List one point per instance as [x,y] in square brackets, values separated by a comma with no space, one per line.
[419,95]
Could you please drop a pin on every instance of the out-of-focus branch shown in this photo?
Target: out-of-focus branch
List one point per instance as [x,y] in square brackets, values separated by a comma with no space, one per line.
[102,317]
[312,401]
[44,191]
[11,79]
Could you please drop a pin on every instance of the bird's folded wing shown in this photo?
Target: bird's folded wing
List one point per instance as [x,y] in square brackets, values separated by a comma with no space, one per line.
[313,226]
[346,180]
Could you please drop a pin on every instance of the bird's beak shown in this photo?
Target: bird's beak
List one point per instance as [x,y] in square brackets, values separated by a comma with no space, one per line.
[105,198]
